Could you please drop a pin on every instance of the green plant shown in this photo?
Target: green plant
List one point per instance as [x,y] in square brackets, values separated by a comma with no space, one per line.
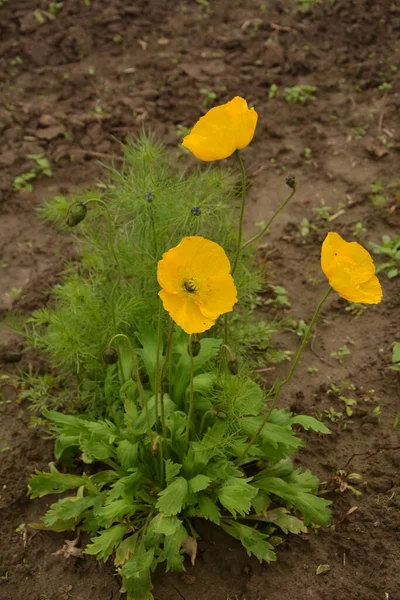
[150,482]
[300,94]
[341,353]
[359,229]
[356,309]
[42,167]
[389,248]
[55,7]
[209,97]
[273,91]
[306,5]
[395,366]
[386,86]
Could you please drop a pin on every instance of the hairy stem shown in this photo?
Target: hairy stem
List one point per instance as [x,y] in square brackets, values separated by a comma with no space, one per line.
[162,376]
[191,396]
[268,225]
[243,204]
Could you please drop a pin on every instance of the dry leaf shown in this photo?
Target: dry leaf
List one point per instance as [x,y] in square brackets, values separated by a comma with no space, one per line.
[69,549]
[189,546]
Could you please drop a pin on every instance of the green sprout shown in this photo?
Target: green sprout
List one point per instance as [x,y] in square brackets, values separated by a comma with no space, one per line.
[300,94]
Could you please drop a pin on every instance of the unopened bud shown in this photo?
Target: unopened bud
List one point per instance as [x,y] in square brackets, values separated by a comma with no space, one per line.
[194,348]
[76,214]
[154,447]
[196,211]
[149,196]
[110,356]
[291,182]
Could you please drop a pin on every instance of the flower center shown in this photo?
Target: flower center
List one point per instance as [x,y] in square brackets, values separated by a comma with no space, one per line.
[190,286]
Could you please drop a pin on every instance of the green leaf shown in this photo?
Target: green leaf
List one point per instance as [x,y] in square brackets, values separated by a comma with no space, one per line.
[104,544]
[127,453]
[172,499]
[138,563]
[140,426]
[285,521]
[171,470]
[236,495]
[171,551]
[208,509]
[138,588]
[117,509]
[161,524]
[312,507]
[65,509]
[148,338]
[125,549]
[199,483]
[64,442]
[309,423]
[271,433]
[283,469]
[253,540]
[396,353]
[41,484]
[203,383]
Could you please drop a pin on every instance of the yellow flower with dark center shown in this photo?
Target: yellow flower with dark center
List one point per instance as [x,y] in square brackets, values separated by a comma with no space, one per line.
[197,286]
[350,270]
[222,130]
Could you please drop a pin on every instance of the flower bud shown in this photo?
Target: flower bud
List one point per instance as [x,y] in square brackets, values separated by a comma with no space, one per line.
[149,196]
[194,348]
[110,356]
[196,211]
[76,214]
[154,447]
[291,182]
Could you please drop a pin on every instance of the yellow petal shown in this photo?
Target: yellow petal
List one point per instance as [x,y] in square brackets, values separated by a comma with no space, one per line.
[217,296]
[169,273]
[222,130]
[369,292]
[185,312]
[193,256]
[330,247]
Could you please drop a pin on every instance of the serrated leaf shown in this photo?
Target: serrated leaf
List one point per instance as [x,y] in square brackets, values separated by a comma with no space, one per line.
[138,588]
[308,422]
[65,509]
[208,509]
[103,545]
[161,524]
[41,484]
[127,453]
[117,509]
[125,549]
[312,507]
[253,540]
[271,433]
[172,499]
[171,470]
[138,563]
[236,495]
[199,483]
[171,551]
[285,521]
[261,502]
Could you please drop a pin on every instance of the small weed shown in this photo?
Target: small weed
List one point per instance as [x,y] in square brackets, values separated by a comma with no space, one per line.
[390,248]
[306,5]
[17,61]
[308,153]
[181,131]
[273,92]
[359,230]
[13,293]
[22,182]
[312,371]
[209,98]
[356,309]
[341,353]
[343,480]
[300,94]
[39,16]
[55,7]
[396,420]
[386,86]
[117,39]
[323,213]
[339,393]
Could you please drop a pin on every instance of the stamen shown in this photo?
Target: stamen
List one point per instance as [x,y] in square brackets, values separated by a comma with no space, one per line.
[190,286]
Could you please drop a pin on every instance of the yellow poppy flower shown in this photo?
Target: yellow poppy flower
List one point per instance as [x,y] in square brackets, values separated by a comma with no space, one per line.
[197,286]
[222,130]
[350,270]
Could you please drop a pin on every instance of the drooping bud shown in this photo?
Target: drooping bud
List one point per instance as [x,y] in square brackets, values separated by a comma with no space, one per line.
[195,347]
[154,447]
[76,214]
[110,356]
[291,182]
[196,211]
[149,196]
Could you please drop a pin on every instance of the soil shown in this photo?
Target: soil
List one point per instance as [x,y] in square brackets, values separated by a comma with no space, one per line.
[75,84]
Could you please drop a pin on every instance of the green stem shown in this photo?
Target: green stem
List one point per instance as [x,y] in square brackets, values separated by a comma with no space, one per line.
[240,228]
[278,388]
[135,369]
[112,248]
[162,375]
[267,226]
[191,396]
[203,420]
[153,227]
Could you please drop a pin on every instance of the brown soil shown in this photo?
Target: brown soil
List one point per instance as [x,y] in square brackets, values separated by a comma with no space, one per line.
[73,85]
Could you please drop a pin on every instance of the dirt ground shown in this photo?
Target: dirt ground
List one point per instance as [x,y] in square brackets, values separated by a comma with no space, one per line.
[76,83]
